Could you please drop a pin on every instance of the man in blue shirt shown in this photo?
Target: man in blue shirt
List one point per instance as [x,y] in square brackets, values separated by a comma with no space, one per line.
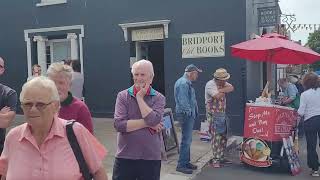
[294,79]
[186,113]
[290,91]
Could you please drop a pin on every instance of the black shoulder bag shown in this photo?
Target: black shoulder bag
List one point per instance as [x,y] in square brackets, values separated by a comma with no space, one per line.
[77,151]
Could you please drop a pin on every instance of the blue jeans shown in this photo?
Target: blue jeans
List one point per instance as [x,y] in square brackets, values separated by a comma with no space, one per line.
[186,127]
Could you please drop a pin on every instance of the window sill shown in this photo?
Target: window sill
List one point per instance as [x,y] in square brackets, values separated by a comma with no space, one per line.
[51,3]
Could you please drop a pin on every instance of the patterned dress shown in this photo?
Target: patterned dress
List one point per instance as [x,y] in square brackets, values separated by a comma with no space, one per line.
[219,141]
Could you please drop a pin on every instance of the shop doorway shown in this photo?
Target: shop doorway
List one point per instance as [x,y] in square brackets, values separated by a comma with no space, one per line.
[154,52]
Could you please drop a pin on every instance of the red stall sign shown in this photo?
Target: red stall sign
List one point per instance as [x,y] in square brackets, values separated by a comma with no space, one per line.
[285,121]
[270,123]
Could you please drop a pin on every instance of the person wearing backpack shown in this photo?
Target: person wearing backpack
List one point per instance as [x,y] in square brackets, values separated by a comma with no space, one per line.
[40,148]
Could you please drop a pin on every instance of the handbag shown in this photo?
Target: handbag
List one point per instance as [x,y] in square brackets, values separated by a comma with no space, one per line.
[220,123]
[77,151]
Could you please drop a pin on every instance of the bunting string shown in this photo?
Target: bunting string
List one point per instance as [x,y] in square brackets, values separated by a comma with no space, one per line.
[302,27]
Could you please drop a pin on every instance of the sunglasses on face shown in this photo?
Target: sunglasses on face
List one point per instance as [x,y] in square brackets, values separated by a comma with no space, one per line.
[39,105]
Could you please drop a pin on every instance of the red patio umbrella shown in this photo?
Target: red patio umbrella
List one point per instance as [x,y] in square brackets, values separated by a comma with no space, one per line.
[274,48]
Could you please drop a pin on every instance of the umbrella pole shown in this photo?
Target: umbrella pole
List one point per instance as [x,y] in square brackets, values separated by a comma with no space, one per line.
[269,70]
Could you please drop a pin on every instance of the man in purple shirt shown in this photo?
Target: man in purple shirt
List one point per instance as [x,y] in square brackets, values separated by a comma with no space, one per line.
[138,115]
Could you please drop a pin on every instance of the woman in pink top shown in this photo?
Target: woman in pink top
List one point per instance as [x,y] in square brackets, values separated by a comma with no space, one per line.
[39,149]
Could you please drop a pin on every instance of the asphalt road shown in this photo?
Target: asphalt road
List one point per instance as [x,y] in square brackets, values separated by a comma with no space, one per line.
[239,171]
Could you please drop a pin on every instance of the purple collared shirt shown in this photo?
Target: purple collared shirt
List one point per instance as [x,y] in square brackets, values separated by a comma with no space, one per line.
[139,144]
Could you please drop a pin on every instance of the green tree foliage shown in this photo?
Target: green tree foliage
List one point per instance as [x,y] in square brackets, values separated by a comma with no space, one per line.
[314,44]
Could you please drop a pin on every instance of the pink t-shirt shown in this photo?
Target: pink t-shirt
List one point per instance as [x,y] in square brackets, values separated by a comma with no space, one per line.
[22,158]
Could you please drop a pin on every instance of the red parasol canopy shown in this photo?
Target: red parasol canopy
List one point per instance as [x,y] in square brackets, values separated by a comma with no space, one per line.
[274,48]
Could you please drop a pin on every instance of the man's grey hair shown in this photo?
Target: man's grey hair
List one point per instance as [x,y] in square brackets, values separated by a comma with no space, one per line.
[41,82]
[145,63]
[60,68]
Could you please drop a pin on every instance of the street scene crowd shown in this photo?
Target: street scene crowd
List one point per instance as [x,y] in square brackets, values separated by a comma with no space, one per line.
[49,103]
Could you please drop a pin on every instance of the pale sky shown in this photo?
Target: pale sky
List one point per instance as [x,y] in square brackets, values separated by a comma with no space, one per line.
[306,11]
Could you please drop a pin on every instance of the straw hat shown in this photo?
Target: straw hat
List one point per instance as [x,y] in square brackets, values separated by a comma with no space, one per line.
[221,74]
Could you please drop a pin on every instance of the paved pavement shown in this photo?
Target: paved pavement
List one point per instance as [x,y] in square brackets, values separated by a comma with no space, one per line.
[104,131]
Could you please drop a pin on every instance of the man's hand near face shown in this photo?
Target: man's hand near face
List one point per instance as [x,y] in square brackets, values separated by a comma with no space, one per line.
[143,91]
[144,108]
[226,88]
[220,95]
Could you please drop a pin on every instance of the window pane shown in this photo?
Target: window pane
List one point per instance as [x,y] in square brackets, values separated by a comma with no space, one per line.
[61,51]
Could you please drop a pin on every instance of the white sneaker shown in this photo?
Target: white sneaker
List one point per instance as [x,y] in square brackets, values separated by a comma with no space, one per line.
[315,173]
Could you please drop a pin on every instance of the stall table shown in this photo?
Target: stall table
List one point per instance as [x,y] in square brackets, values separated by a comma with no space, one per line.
[265,127]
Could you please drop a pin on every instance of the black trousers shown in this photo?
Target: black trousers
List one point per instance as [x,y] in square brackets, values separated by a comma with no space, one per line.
[312,131]
[127,169]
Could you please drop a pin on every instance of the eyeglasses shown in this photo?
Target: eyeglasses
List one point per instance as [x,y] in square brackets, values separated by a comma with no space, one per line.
[39,105]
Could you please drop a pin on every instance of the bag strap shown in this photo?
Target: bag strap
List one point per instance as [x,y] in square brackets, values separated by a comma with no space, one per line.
[77,151]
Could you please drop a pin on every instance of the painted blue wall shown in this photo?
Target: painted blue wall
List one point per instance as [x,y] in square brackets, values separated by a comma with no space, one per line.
[106,54]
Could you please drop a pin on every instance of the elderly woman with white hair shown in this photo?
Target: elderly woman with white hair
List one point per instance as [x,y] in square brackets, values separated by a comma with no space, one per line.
[39,148]
[71,107]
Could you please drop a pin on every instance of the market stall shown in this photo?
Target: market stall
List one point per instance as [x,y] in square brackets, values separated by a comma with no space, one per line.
[266,124]
[269,129]
[269,134]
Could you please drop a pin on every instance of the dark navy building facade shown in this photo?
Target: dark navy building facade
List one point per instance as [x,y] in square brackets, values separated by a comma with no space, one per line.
[107,36]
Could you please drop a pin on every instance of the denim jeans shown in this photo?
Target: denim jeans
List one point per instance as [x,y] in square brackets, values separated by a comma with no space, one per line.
[186,127]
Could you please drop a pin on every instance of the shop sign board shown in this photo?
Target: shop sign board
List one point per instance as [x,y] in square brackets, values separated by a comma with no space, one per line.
[268,16]
[147,34]
[270,123]
[208,44]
